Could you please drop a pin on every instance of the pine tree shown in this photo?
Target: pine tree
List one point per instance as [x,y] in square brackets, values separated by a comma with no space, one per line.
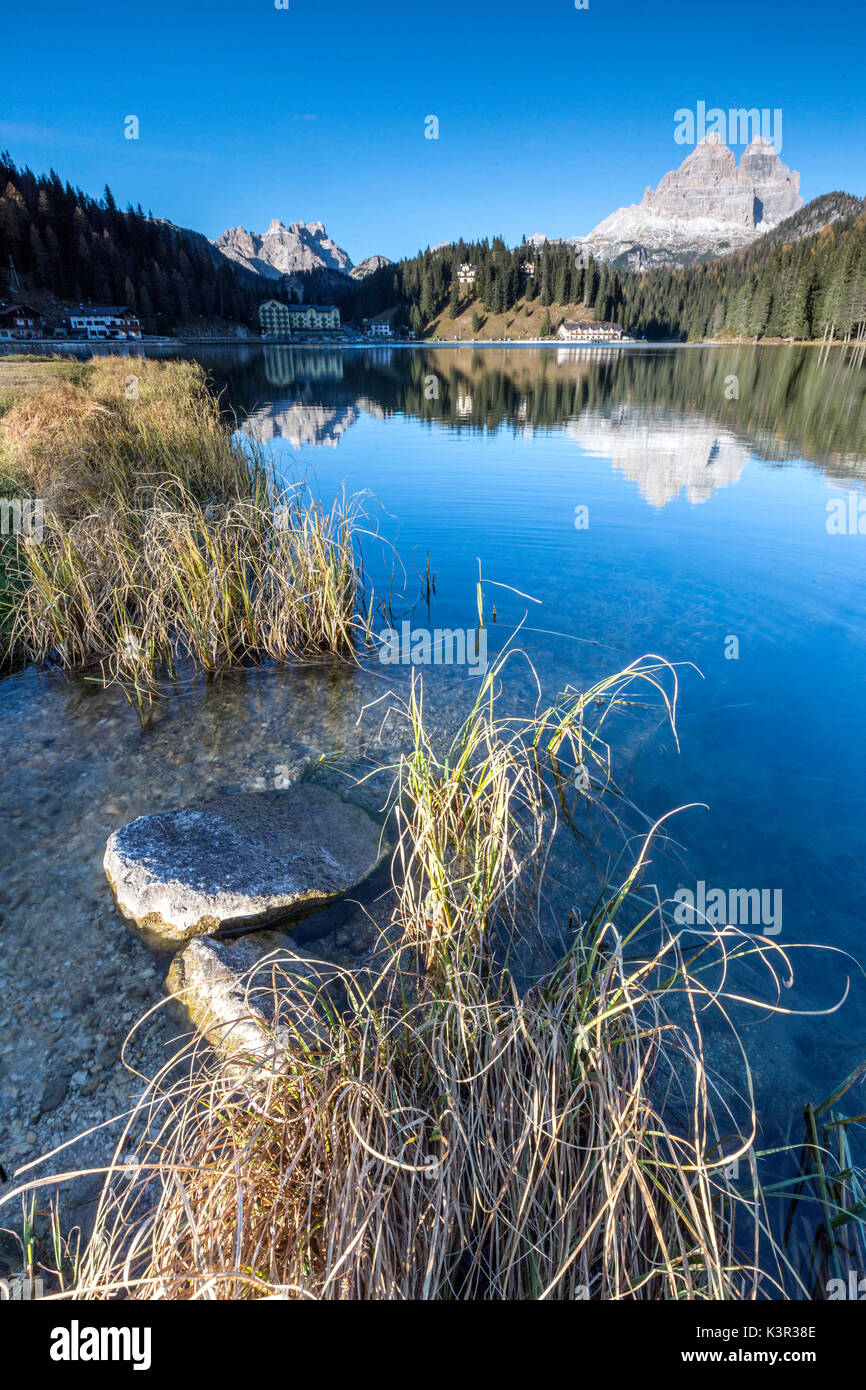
[560,284]
[454,305]
[427,304]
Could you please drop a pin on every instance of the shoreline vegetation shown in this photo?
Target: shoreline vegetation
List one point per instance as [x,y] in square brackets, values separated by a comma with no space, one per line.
[453,1131]
[456,1136]
[164,538]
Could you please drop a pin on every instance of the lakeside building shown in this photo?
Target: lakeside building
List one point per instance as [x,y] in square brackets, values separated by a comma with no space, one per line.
[274,319]
[19,321]
[380,330]
[280,320]
[589,332]
[105,321]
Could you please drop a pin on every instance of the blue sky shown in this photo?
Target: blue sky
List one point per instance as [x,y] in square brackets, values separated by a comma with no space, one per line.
[549,117]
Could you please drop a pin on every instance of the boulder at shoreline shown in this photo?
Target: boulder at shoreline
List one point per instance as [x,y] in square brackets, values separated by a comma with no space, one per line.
[240,860]
[256,998]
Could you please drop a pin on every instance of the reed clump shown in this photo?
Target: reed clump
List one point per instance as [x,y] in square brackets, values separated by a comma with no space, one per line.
[132,425]
[458,1134]
[166,539]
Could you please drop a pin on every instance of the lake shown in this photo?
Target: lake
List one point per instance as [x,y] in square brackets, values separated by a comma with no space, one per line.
[702,504]
[691,502]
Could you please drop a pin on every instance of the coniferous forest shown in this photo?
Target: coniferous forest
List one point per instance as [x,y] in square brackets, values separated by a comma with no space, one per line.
[78,248]
[796,282]
[786,285]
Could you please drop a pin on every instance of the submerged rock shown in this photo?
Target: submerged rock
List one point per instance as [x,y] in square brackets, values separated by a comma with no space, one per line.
[240,860]
[257,998]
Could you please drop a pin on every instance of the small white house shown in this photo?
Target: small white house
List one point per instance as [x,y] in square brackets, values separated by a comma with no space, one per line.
[380,328]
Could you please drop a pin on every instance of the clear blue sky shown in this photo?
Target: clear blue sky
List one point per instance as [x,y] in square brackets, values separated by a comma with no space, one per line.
[550,117]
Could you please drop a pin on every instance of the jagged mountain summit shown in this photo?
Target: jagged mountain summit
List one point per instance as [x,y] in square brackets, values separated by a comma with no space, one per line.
[300,247]
[707,207]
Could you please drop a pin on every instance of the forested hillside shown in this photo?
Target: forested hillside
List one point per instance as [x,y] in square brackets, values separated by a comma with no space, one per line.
[797,287]
[794,284]
[807,277]
[428,282]
[78,248]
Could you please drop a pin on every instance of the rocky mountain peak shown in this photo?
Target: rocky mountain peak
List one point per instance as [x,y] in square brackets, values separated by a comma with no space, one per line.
[776,187]
[706,207]
[709,184]
[302,246]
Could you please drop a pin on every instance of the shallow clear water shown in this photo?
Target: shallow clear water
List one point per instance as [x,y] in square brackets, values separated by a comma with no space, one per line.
[706,520]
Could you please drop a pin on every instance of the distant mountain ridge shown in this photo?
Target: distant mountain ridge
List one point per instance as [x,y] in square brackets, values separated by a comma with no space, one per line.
[821,212]
[302,248]
[369,267]
[292,250]
[707,207]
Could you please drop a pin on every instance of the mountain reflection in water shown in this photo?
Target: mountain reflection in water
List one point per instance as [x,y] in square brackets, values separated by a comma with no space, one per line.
[671,419]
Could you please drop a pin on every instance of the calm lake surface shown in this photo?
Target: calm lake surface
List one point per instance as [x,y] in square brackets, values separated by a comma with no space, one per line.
[711,480]
[677,501]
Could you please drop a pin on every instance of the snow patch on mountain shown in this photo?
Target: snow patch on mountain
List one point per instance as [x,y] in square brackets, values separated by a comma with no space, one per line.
[707,207]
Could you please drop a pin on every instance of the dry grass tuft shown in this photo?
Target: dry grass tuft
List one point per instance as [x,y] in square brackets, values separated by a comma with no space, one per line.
[455,1136]
[134,425]
[166,539]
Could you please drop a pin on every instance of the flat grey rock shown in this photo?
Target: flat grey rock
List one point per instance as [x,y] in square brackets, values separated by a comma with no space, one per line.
[240,860]
[257,999]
